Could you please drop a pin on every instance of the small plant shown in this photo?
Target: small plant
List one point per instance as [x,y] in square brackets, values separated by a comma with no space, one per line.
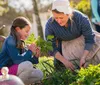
[88,76]
[45,46]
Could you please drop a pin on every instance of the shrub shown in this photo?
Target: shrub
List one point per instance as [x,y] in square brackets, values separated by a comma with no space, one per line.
[88,76]
[83,6]
[53,76]
[84,76]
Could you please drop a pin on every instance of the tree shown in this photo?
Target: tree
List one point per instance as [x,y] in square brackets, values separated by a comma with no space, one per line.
[37,17]
[7,18]
[22,7]
[3,7]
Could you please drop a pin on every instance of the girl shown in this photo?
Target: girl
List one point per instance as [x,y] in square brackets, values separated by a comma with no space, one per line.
[18,59]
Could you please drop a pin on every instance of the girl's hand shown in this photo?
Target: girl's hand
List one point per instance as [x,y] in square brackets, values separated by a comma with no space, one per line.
[82,62]
[38,53]
[32,47]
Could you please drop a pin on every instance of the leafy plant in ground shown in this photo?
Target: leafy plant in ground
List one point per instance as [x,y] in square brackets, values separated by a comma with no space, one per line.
[45,46]
[64,77]
[88,76]
[52,76]
[46,65]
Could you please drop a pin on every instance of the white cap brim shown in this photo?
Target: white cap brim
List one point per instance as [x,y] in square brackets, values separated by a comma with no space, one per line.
[62,6]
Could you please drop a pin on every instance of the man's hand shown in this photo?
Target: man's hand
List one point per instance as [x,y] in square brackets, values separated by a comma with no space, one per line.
[69,65]
[82,62]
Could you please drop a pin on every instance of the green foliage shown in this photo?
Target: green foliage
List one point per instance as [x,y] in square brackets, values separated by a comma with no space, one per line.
[64,77]
[0,49]
[50,37]
[83,6]
[84,76]
[46,65]
[88,76]
[3,7]
[53,76]
[45,46]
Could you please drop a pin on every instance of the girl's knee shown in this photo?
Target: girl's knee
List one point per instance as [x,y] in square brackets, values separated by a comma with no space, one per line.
[27,63]
[25,66]
[38,74]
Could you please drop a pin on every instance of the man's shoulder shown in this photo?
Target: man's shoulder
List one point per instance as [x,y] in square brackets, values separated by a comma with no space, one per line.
[77,15]
[50,20]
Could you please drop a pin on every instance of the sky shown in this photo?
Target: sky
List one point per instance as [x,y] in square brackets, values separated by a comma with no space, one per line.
[25,3]
[46,1]
[17,4]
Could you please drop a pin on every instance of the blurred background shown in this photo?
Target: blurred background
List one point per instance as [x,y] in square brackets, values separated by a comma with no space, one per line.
[37,11]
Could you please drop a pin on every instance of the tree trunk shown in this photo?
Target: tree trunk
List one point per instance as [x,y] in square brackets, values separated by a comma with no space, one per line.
[38,22]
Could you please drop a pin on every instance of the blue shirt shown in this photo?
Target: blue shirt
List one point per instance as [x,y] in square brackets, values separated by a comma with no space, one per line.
[95,5]
[79,25]
[11,55]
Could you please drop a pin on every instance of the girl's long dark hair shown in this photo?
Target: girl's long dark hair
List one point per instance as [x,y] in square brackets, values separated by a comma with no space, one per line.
[20,22]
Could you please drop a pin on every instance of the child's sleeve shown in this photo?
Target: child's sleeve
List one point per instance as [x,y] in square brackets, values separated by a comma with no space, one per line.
[14,53]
